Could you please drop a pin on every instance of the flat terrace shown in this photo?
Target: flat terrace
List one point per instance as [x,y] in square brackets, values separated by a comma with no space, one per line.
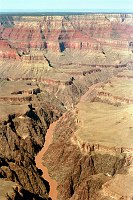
[10,109]
[16,88]
[118,87]
[120,187]
[22,69]
[105,124]
[15,97]
[126,74]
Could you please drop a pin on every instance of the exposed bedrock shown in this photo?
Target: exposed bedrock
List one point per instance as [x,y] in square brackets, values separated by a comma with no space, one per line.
[56,33]
[93,145]
[70,91]
[79,175]
[6,51]
[21,137]
[46,64]
[9,190]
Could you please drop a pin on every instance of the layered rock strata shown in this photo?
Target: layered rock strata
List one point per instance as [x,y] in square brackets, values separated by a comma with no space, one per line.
[46,64]
[90,33]
[95,152]
[23,127]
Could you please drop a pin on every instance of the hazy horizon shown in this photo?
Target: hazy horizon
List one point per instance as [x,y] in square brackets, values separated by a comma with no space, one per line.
[115,11]
[66,6]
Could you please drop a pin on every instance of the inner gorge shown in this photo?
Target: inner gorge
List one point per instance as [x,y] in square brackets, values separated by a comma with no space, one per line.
[66,106]
[38,159]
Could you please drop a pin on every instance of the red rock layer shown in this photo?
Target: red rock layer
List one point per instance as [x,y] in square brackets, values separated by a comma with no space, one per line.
[22,37]
[87,32]
[6,51]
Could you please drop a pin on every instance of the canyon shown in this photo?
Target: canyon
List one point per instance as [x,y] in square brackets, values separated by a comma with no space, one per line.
[38,159]
[66,106]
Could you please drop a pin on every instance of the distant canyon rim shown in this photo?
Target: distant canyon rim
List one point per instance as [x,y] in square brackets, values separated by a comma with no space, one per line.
[66,107]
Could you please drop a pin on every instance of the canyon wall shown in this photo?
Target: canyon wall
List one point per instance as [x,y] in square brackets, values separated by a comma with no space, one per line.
[62,56]
[81,174]
[85,32]
[22,135]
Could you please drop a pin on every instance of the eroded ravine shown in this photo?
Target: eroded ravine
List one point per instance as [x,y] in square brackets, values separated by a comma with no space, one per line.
[38,159]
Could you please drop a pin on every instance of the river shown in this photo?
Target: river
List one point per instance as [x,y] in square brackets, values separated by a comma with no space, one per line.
[48,140]
[38,159]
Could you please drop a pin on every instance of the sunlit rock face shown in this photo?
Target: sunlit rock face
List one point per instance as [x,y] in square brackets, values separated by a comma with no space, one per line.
[87,32]
[78,68]
[34,44]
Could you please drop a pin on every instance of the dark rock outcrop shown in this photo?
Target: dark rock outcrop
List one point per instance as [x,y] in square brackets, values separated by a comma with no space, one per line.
[79,176]
[21,138]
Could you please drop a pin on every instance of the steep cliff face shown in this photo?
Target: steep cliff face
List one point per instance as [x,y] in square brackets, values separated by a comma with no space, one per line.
[94,145]
[79,176]
[22,136]
[46,64]
[85,32]
[6,52]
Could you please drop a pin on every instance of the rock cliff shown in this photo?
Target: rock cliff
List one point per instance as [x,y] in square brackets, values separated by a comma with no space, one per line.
[81,65]
[95,147]
[22,135]
[85,32]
